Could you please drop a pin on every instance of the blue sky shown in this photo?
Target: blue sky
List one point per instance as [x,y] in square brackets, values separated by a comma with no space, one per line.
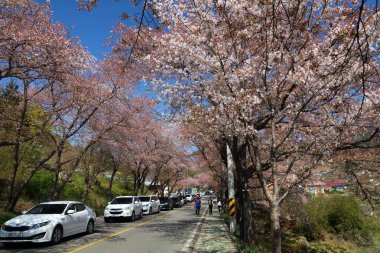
[92,27]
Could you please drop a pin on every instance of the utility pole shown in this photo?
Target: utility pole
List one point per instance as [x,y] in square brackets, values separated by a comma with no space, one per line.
[231,190]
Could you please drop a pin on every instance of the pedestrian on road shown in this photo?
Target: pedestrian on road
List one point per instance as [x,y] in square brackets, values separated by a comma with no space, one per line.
[220,207]
[210,206]
[197,205]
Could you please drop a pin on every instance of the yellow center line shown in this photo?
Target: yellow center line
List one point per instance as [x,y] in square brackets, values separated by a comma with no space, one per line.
[117,233]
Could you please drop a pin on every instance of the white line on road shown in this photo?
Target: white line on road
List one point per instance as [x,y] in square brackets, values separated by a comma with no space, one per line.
[188,245]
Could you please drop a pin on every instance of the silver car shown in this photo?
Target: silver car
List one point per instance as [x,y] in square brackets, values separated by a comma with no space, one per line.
[49,222]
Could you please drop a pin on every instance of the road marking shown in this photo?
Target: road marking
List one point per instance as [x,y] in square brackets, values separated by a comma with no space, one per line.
[188,245]
[118,233]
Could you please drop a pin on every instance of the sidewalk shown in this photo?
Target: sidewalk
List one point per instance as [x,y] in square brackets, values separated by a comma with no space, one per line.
[213,236]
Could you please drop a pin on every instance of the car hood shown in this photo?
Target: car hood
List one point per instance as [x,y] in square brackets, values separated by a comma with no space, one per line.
[31,219]
[119,206]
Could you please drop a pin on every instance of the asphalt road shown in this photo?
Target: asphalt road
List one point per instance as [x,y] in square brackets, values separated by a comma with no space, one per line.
[168,231]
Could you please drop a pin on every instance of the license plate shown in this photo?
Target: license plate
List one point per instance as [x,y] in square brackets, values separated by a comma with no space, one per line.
[13,234]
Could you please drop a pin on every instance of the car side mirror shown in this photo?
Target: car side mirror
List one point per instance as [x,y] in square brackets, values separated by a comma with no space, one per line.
[70,212]
[108,203]
[23,212]
[136,202]
[152,200]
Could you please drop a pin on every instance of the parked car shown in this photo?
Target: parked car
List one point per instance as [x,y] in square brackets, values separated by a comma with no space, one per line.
[166,203]
[189,198]
[151,204]
[49,222]
[182,199]
[207,193]
[123,207]
[176,201]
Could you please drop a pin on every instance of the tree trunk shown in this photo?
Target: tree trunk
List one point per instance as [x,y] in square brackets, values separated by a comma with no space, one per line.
[9,205]
[57,170]
[111,179]
[86,190]
[62,186]
[275,227]
[54,184]
[11,201]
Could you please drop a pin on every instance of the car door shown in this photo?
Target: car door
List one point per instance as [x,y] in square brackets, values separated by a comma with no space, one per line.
[69,222]
[82,216]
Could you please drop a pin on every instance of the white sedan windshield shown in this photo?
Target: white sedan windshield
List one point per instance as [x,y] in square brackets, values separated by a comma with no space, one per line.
[47,209]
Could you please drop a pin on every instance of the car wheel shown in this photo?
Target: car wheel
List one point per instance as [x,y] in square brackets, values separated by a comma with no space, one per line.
[90,227]
[159,210]
[141,214]
[106,220]
[133,216]
[56,235]
[150,210]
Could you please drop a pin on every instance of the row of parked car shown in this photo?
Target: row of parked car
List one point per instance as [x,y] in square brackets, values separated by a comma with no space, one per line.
[51,221]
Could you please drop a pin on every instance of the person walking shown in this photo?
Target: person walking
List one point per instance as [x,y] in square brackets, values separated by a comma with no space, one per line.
[219,207]
[210,205]
[197,205]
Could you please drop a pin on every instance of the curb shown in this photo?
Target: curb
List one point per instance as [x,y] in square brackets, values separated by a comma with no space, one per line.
[233,245]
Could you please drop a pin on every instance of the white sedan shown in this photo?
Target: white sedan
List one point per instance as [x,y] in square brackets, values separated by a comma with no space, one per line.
[49,222]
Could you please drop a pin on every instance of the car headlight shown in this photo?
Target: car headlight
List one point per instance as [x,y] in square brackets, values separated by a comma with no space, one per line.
[107,209]
[38,225]
[127,208]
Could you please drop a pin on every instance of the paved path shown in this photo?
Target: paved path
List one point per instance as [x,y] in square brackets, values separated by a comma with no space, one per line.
[213,236]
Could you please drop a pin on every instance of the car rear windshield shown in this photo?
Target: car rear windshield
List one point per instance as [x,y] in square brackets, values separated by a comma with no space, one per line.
[47,209]
[164,199]
[122,201]
[144,199]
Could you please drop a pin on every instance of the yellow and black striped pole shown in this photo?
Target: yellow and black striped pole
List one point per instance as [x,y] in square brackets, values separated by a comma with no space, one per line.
[231,207]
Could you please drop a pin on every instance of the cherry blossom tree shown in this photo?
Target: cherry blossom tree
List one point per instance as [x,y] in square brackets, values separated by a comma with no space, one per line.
[295,81]
[35,54]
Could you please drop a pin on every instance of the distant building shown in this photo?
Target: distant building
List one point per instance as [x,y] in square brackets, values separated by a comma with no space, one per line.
[319,187]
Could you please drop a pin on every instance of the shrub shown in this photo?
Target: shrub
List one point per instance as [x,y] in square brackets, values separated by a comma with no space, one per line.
[73,191]
[39,185]
[336,214]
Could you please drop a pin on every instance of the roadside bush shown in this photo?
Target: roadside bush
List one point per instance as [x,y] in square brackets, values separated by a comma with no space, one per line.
[73,191]
[38,187]
[336,214]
